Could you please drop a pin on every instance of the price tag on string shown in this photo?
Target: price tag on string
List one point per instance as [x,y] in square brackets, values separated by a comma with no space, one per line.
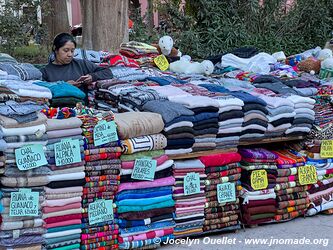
[307,175]
[259,179]
[191,184]
[100,211]
[105,132]
[161,62]
[24,203]
[67,152]
[226,192]
[30,156]
[144,169]
[326,149]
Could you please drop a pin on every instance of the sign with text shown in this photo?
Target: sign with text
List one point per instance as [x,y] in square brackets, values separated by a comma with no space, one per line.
[24,203]
[191,184]
[144,169]
[161,62]
[307,175]
[326,149]
[100,211]
[67,152]
[105,132]
[30,156]
[259,179]
[226,192]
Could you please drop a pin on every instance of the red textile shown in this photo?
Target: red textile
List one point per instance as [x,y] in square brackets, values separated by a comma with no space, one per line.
[220,159]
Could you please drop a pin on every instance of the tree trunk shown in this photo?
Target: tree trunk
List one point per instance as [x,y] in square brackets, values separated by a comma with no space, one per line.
[105,27]
[56,19]
[150,16]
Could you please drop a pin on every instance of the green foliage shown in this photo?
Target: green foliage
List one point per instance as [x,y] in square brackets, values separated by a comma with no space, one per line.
[34,54]
[19,23]
[210,27]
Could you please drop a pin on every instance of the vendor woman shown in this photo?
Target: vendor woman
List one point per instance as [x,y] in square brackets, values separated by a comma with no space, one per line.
[77,72]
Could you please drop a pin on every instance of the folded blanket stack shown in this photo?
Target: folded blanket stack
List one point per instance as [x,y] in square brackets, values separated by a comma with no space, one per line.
[21,231]
[179,126]
[259,173]
[143,53]
[305,115]
[221,214]
[323,111]
[21,124]
[102,170]
[134,98]
[144,201]
[205,120]
[292,199]
[190,203]
[62,206]
[280,115]
[320,193]
[29,227]
[23,71]
[255,116]
[63,93]
[145,210]
[105,99]
[231,118]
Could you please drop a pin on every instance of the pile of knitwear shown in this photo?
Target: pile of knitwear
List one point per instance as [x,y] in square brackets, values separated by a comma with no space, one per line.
[258,205]
[145,208]
[292,199]
[62,208]
[221,168]
[320,193]
[189,215]
[21,124]
[19,71]
[142,52]
[102,180]
[63,93]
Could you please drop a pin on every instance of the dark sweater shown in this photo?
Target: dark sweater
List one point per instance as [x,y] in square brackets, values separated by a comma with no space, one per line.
[74,70]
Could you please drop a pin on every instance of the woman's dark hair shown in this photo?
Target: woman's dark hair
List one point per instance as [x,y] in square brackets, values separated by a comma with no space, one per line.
[61,39]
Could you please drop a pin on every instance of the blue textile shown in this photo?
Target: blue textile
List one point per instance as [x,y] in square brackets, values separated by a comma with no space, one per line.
[166,80]
[62,89]
[144,201]
[135,195]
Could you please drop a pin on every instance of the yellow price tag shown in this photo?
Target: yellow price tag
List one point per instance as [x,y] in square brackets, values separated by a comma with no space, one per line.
[259,179]
[161,62]
[307,175]
[326,149]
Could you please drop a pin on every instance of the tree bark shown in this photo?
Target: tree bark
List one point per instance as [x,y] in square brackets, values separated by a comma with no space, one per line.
[57,19]
[105,27]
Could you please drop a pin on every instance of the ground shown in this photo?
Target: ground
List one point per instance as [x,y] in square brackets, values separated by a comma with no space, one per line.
[316,231]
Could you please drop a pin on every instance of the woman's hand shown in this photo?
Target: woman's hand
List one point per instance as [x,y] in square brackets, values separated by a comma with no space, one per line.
[75,83]
[86,79]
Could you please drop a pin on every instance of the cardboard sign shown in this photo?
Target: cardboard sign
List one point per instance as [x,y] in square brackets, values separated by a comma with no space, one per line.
[144,169]
[100,211]
[67,152]
[24,203]
[191,184]
[105,132]
[326,149]
[307,175]
[226,192]
[161,62]
[259,179]
[30,156]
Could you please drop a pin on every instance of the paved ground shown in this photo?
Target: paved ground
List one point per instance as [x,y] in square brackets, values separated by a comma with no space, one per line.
[316,231]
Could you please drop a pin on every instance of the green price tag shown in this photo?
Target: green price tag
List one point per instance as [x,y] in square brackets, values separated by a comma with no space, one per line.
[226,192]
[67,152]
[100,211]
[191,184]
[105,132]
[24,203]
[144,169]
[30,156]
